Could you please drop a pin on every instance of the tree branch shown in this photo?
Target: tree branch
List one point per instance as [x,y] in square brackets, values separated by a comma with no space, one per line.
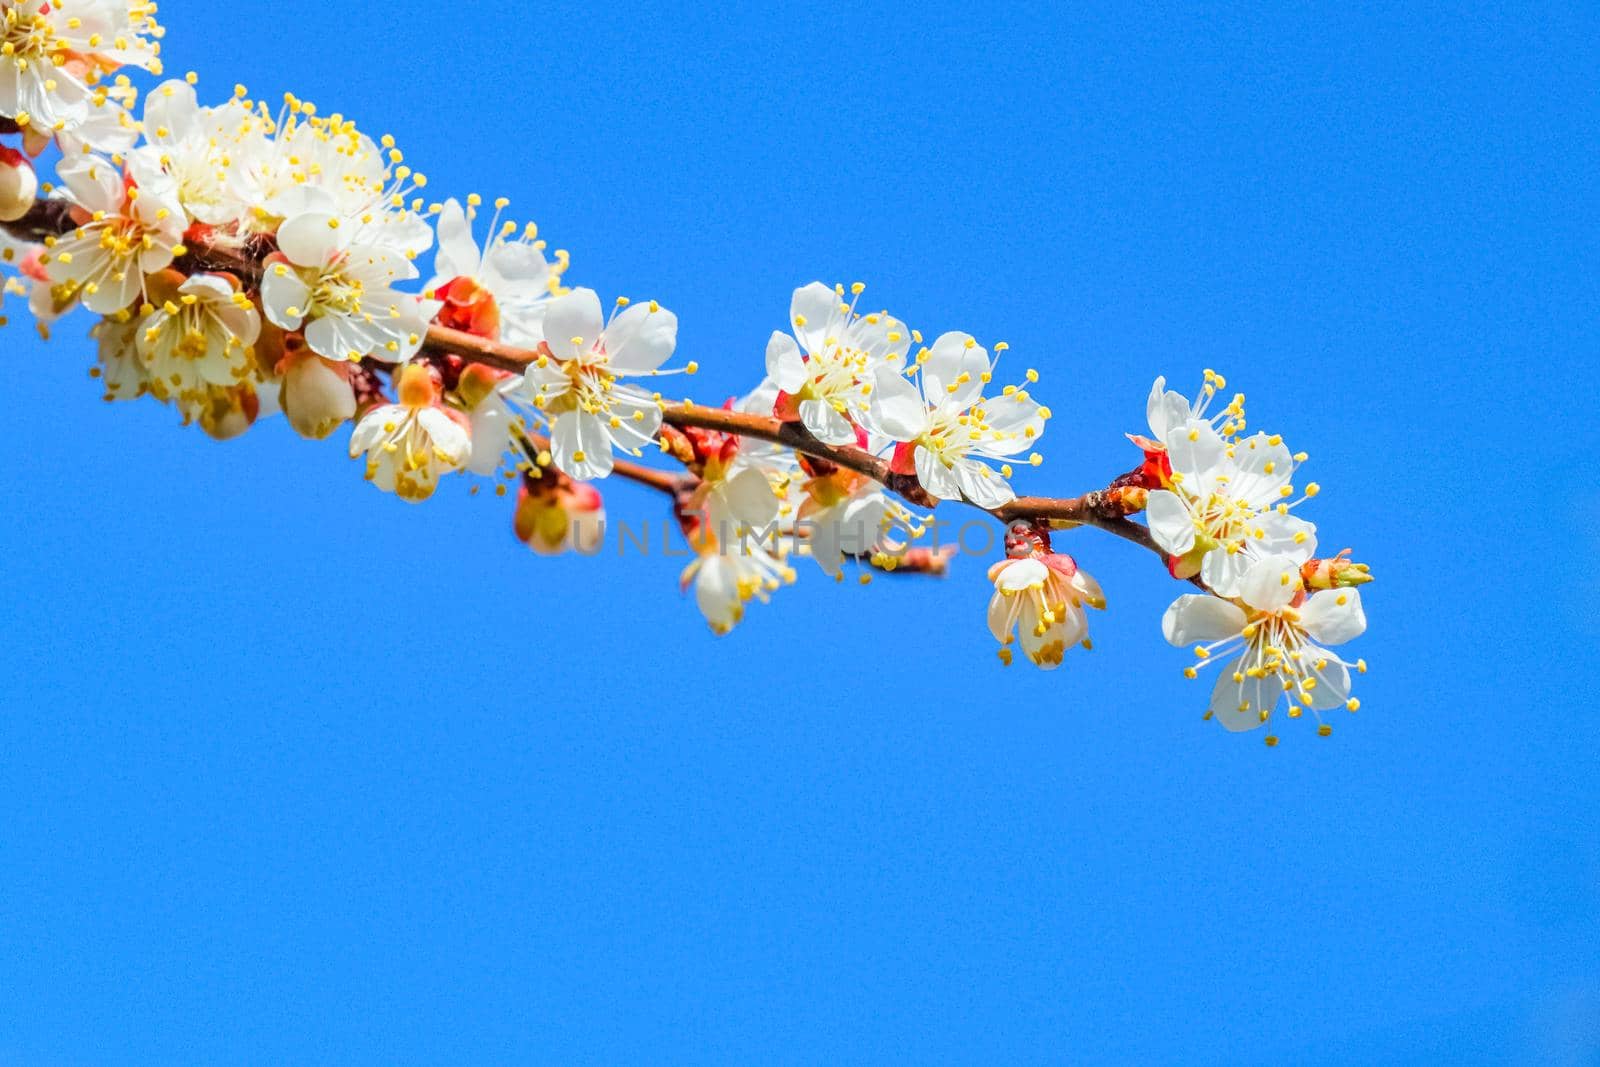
[1099,509]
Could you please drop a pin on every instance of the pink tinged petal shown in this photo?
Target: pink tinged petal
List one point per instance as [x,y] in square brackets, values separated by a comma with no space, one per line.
[639,339]
[935,477]
[1170,523]
[897,409]
[826,423]
[785,366]
[458,252]
[1334,616]
[573,323]
[750,498]
[1271,584]
[811,312]
[1201,620]
[312,240]
[1238,704]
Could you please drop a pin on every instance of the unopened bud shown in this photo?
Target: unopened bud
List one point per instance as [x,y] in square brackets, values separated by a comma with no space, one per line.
[317,396]
[19,185]
[1340,572]
[477,382]
[418,386]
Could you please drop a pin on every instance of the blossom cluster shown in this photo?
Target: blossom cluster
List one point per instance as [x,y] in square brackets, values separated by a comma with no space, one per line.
[243,260]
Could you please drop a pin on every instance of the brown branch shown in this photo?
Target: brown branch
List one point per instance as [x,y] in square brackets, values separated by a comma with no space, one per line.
[51,218]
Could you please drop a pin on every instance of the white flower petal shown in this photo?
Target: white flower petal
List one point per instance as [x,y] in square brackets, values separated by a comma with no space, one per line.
[1238,700]
[1334,616]
[785,365]
[1224,571]
[580,445]
[573,323]
[826,423]
[811,312]
[935,477]
[639,339]
[1170,523]
[1271,584]
[750,498]
[313,240]
[1201,620]
[897,409]
[458,254]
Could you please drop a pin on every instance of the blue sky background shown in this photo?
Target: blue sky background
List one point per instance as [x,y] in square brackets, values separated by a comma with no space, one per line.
[292,772]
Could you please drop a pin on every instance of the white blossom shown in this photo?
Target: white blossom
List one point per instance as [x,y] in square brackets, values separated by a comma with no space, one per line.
[826,376]
[1230,503]
[1039,600]
[950,426]
[577,384]
[198,337]
[409,446]
[341,293]
[136,226]
[56,52]
[1281,637]
[512,271]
